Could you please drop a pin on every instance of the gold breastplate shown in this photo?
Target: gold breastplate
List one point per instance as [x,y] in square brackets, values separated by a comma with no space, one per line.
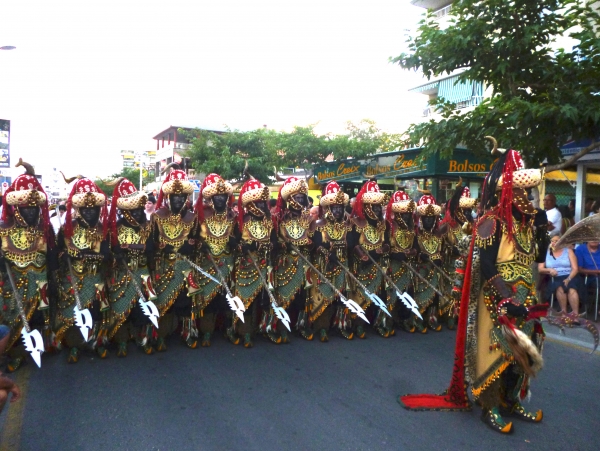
[336,231]
[218,225]
[128,235]
[372,236]
[430,243]
[404,238]
[173,230]
[259,230]
[297,230]
[85,238]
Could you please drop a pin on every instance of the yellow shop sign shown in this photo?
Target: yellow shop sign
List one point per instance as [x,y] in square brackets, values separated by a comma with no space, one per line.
[465,166]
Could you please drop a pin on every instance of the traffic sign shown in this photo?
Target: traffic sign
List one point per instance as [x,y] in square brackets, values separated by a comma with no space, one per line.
[196,184]
[4,187]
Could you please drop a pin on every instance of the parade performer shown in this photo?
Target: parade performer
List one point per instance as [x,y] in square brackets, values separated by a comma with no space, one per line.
[429,238]
[84,255]
[27,244]
[133,250]
[257,238]
[331,252]
[457,238]
[403,251]
[368,237]
[499,337]
[175,234]
[295,229]
[217,224]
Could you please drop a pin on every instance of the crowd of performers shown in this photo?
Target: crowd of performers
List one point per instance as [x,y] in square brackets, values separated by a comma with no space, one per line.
[111,276]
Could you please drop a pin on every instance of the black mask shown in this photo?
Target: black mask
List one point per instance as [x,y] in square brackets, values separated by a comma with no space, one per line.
[177,202]
[428,222]
[262,206]
[31,215]
[90,215]
[138,215]
[408,219]
[220,202]
[337,211]
[301,199]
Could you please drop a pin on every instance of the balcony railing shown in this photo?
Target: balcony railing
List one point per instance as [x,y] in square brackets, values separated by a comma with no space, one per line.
[473,101]
[445,11]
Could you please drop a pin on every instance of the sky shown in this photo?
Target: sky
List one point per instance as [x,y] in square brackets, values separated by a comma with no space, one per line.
[88,79]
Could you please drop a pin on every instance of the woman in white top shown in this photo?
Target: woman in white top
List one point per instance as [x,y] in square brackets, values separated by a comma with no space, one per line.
[562,266]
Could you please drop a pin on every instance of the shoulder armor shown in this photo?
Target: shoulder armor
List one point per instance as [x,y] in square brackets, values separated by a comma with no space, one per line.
[10,222]
[358,222]
[320,223]
[486,227]
[188,217]
[162,212]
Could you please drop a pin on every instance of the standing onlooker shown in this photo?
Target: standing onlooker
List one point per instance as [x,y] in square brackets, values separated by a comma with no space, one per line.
[567,219]
[588,260]
[554,216]
[589,203]
[150,206]
[58,220]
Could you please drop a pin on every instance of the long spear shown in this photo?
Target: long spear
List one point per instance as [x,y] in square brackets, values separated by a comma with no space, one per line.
[376,299]
[280,313]
[83,317]
[235,303]
[425,281]
[352,306]
[31,338]
[148,307]
[406,299]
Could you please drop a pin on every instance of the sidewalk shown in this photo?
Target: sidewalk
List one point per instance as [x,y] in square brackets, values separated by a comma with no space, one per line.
[576,336]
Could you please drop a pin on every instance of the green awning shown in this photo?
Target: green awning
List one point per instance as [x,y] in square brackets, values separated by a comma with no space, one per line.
[426,87]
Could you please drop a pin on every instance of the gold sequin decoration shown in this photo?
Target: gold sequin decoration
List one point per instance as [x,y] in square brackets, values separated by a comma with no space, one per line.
[218,224]
[127,235]
[259,230]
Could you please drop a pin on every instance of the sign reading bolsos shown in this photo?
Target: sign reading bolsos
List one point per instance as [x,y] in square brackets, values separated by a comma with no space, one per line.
[4,143]
[404,163]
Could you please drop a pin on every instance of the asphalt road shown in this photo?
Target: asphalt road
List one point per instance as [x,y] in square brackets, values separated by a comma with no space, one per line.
[306,395]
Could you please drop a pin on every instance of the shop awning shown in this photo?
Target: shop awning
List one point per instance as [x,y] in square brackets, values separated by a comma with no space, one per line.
[571,176]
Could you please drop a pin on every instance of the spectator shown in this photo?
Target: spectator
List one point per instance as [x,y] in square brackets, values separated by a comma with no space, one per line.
[588,260]
[567,219]
[272,205]
[589,203]
[595,208]
[554,216]
[6,385]
[58,220]
[571,207]
[150,206]
[561,265]
[310,202]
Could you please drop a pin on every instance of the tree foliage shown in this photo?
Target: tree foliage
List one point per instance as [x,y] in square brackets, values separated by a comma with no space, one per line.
[132,174]
[266,151]
[542,95]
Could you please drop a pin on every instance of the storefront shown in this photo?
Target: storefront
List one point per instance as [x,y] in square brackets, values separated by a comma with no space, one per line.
[410,170]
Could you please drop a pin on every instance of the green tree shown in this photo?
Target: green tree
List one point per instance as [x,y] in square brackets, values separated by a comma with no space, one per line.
[542,96]
[226,154]
[132,174]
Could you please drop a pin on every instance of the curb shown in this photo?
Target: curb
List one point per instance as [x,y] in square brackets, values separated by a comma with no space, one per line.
[584,345]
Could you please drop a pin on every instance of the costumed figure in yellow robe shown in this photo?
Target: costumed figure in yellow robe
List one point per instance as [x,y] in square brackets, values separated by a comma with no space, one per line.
[27,242]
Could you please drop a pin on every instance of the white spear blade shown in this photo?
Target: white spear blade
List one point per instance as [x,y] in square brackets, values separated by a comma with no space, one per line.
[410,303]
[83,320]
[34,345]
[236,304]
[282,315]
[379,303]
[149,309]
[354,308]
